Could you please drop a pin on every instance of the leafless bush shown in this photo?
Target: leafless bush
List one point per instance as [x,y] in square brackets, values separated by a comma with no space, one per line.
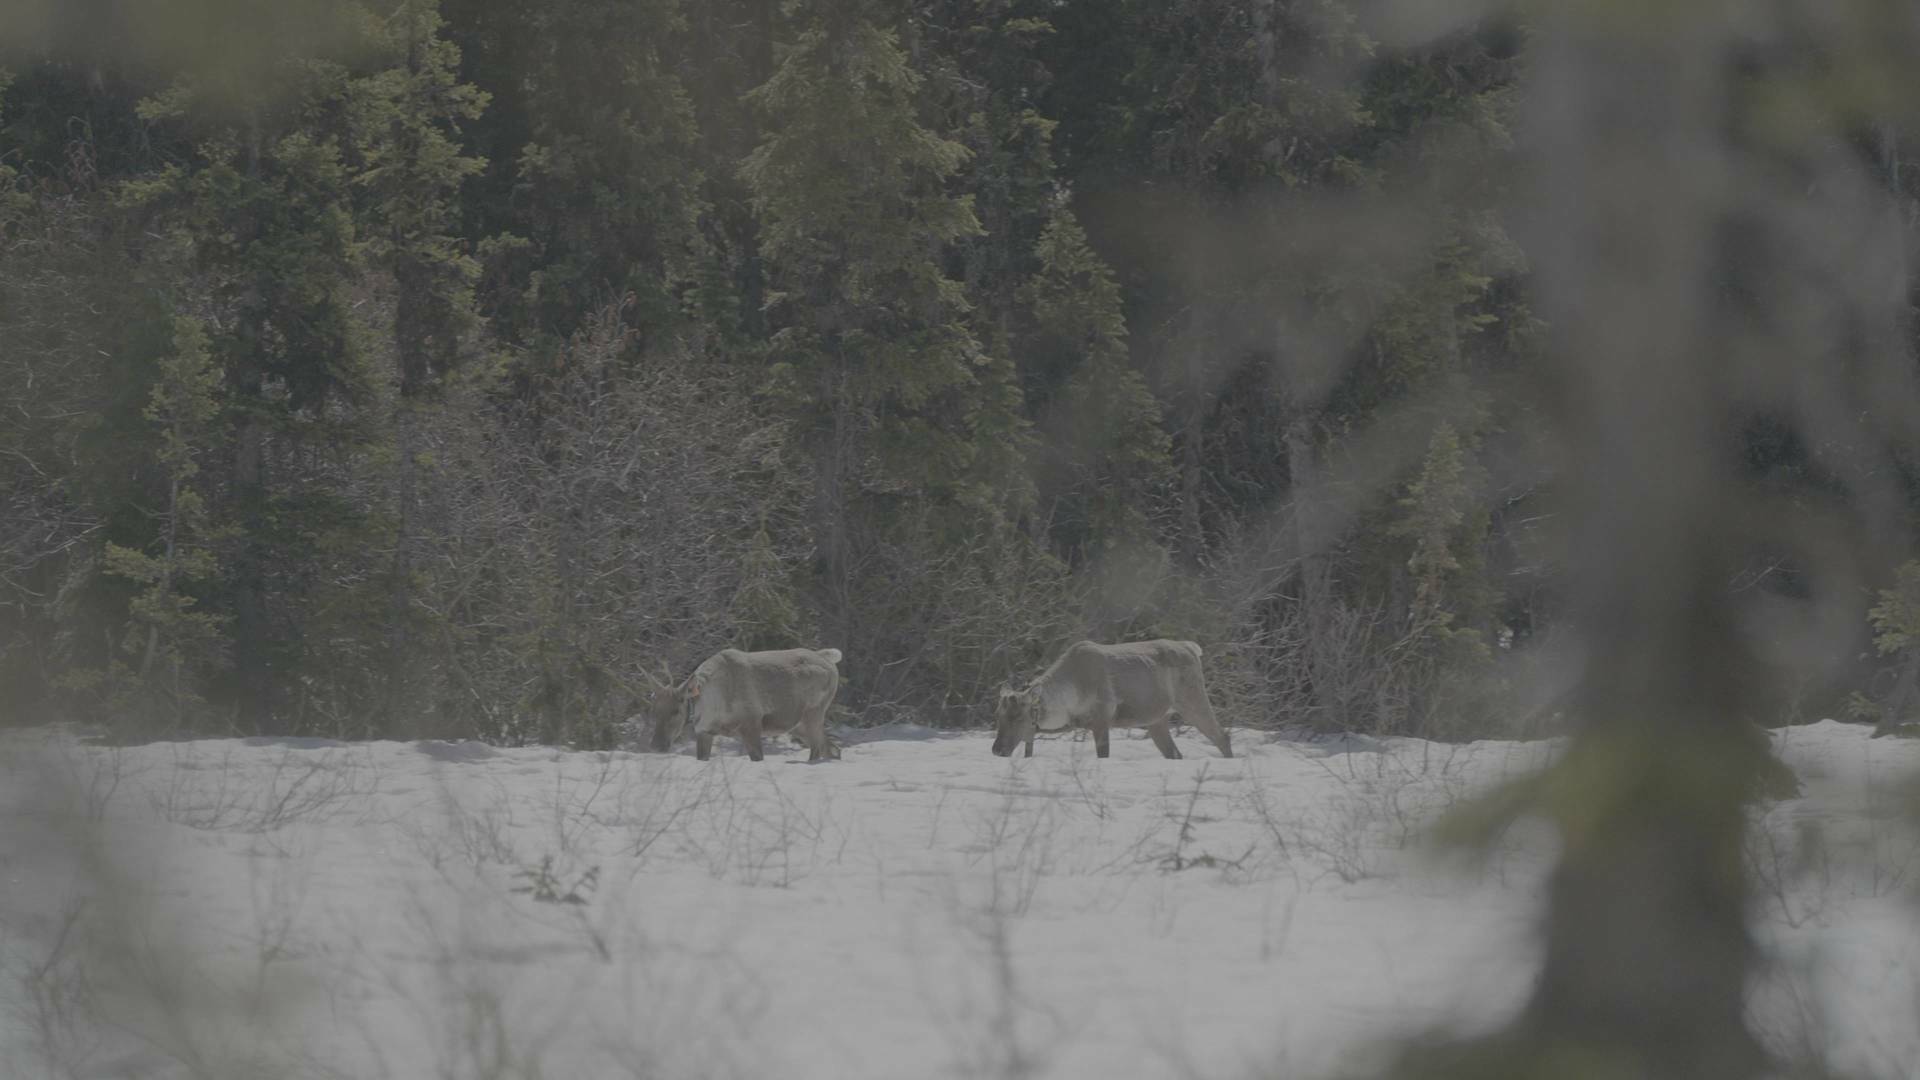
[1385,802]
[997,1028]
[92,775]
[1343,837]
[547,885]
[1180,854]
[480,1027]
[55,1004]
[310,790]
[303,786]
[1892,840]
[1256,802]
[200,796]
[1015,842]
[644,798]
[1003,1032]
[1282,653]
[1089,780]
[120,981]
[572,801]
[477,835]
[614,521]
[52,370]
[1789,862]
[1793,1019]
[732,828]
[943,624]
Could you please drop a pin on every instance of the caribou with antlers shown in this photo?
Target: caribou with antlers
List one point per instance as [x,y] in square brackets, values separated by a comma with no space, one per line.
[749,695]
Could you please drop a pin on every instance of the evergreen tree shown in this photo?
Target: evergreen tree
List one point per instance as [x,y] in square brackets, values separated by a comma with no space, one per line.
[871,343]
[1440,517]
[984,83]
[262,209]
[1896,625]
[410,170]
[1083,317]
[764,610]
[594,178]
[177,645]
[1107,472]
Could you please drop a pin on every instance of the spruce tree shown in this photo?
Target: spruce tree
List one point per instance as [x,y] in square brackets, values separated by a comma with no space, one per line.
[263,209]
[893,393]
[594,183]
[1107,471]
[410,170]
[173,645]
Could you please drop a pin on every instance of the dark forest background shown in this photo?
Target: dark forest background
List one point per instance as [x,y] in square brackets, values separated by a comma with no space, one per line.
[415,368]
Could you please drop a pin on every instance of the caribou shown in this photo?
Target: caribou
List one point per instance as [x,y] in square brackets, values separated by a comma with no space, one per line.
[749,694]
[1101,687]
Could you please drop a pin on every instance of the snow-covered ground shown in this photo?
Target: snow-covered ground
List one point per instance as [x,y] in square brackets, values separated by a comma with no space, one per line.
[253,908]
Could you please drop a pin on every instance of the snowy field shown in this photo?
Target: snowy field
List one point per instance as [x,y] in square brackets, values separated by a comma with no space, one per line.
[257,908]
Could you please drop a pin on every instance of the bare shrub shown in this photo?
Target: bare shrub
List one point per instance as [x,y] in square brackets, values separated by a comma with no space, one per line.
[1257,803]
[1385,801]
[572,801]
[997,1028]
[1089,780]
[547,885]
[564,883]
[1014,840]
[302,786]
[651,802]
[1180,854]
[1789,862]
[199,795]
[93,775]
[474,835]
[1792,1018]
[1892,840]
[56,1000]
[944,621]
[737,833]
[605,523]
[116,979]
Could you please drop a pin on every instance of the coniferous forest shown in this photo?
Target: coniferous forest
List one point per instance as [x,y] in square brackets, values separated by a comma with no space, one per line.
[466,369]
[451,368]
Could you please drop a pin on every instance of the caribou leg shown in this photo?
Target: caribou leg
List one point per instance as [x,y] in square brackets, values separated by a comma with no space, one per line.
[703,746]
[1163,739]
[750,738]
[1199,712]
[1029,745]
[814,729]
[1100,737]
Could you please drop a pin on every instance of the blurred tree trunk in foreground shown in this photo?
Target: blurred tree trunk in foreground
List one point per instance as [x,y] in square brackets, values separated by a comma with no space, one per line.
[1704,241]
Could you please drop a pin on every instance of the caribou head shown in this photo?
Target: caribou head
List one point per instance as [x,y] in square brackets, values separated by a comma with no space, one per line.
[668,707]
[1015,718]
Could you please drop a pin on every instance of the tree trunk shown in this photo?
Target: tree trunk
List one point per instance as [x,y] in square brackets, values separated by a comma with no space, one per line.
[253,680]
[1900,705]
[254,683]
[411,347]
[1193,540]
[1647,949]
[832,461]
[399,719]
[1316,575]
[165,585]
